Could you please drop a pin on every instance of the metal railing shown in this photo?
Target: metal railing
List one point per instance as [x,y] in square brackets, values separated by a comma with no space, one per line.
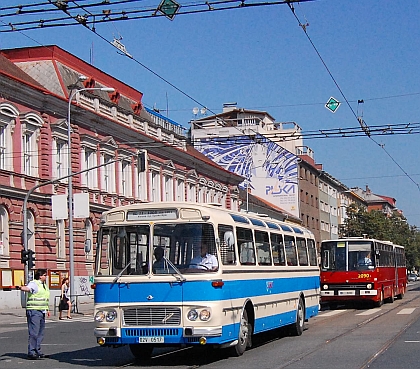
[74,303]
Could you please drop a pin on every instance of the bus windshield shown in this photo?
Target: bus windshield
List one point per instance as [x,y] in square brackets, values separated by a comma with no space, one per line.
[345,256]
[170,248]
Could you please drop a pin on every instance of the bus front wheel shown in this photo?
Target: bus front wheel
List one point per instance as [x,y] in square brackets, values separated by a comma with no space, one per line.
[141,351]
[381,300]
[296,329]
[244,339]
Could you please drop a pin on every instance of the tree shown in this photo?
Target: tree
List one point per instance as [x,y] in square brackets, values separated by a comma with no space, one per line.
[375,224]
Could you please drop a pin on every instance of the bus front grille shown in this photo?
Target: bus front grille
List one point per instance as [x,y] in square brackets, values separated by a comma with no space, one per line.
[152,316]
[348,286]
[158,332]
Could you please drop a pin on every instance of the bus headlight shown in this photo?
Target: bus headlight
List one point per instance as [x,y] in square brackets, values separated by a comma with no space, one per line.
[111,315]
[204,315]
[325,287]
[105,315]
[369,286]
[192,315]
[99,316]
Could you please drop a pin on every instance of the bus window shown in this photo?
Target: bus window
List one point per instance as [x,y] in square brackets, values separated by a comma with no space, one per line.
[278,249]
[360,255]
[263,248]
[182,243]
[130,253]
[302,252]
[245,246]
[333,255]
[289,242]
[227,245]
[312,252]
[102,256]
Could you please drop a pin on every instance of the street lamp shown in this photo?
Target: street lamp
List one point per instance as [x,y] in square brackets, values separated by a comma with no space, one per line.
[70,174]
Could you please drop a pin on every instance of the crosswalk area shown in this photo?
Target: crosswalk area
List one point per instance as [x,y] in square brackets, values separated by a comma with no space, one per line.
[75,318]
[330,313]
[53,320]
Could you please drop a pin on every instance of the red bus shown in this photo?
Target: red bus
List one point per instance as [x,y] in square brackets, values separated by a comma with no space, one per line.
[362,269]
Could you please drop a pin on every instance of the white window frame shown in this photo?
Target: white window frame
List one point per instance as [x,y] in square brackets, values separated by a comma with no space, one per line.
[31,125]
[107,173]
[141,184]
[89,178]
[180,190]
[155,185]
[125,179]
[168,188]
[8,114]
[192,192]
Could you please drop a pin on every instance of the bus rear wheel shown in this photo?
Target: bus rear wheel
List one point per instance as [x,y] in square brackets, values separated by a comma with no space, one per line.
[141,352]
[244,338]
[401,295]
[391,298]
[296,329]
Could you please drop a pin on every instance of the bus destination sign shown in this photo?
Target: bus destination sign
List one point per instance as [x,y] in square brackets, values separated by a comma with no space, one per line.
[167,214]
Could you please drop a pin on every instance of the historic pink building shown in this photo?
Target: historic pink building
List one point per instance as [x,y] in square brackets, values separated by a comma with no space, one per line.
[127,154]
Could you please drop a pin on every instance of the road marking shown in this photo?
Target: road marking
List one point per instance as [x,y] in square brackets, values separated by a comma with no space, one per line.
[412,341]
[370,312]
[406,311]
[333,312]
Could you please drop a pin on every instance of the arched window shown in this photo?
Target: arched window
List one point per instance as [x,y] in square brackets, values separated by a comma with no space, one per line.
[8,114]
[31,124]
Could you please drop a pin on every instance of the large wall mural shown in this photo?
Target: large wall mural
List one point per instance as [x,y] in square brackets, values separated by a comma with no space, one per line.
[270,170]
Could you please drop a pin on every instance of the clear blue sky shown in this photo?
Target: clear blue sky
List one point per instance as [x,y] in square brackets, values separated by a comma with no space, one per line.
[260,58]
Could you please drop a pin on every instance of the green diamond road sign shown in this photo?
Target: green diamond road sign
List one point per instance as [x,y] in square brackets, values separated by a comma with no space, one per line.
[332,104]
[169,8]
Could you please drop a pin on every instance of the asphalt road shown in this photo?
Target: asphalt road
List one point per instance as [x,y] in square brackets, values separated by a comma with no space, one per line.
[349,337]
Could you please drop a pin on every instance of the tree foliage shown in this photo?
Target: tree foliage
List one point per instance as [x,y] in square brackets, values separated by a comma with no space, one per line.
[375,224]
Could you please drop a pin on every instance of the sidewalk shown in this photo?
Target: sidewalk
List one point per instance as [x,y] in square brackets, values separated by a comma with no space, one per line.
[9,315]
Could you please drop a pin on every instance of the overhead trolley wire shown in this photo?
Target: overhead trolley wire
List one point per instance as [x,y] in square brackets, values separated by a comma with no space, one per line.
[365,128]
[119,15]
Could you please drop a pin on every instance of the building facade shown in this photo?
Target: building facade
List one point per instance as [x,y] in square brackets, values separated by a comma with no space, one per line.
[119,153]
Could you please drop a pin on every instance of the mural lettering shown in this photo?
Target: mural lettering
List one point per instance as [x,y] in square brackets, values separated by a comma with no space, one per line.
[277,190]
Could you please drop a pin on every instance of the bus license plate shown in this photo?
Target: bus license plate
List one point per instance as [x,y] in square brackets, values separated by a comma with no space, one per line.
[346,293]
[151,339]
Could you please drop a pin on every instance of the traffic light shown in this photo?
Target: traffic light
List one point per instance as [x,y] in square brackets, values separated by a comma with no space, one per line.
[24,256]
[31,259]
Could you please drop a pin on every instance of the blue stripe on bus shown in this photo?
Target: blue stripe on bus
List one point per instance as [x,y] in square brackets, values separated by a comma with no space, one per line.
[229,332]
[193,291]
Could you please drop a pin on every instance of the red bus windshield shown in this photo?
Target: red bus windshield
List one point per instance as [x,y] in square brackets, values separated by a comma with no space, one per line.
[348,255]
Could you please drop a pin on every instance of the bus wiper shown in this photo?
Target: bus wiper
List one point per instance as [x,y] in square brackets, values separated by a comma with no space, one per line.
[120,273]
[178,275]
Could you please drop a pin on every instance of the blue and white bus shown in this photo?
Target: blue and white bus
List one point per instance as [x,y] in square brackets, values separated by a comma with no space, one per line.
[254,274]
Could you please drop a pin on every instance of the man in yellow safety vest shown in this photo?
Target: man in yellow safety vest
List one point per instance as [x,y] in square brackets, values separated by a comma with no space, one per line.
[37,307]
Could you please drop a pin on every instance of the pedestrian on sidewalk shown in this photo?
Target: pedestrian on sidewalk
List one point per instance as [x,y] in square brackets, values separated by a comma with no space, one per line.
[37,307]
[65,302]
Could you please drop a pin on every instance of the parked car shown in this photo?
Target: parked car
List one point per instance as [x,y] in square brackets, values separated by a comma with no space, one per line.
[412,277]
